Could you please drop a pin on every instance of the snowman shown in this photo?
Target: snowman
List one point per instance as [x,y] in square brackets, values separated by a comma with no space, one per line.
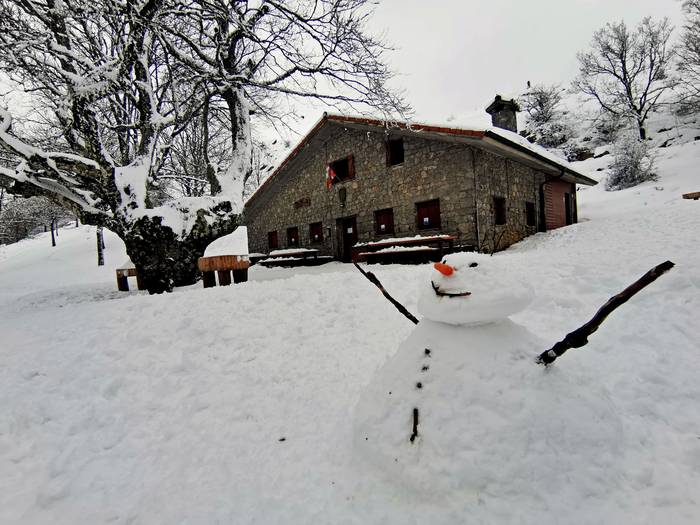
[462,407]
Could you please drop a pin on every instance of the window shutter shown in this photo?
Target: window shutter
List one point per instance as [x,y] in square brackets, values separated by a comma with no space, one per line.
[351,167]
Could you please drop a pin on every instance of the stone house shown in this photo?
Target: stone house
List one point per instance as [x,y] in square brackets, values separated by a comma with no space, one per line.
[354,179]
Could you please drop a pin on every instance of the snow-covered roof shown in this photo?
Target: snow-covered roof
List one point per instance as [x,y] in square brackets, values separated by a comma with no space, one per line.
[506,142]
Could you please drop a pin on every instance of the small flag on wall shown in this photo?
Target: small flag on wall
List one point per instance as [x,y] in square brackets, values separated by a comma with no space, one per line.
[330,176]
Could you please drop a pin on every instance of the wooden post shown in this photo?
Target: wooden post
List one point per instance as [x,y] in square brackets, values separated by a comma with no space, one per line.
[208,279]
[240,276]
[122,281]
[224,277]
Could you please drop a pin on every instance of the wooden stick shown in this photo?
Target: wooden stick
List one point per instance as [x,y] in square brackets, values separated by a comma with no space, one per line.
[373,279]
[414,434]
[579,337]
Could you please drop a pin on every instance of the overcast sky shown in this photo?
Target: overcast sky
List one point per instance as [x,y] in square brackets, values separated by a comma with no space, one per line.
[452,56]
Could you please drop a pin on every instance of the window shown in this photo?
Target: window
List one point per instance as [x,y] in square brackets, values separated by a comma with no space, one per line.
[428,214]
[530,214]
[341,170]
[272,241]
[394,152]
[499,209]
[384,221]
[293,237]
[316,232]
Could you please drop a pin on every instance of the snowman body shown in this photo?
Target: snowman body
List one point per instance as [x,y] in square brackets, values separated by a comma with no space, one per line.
[462,406]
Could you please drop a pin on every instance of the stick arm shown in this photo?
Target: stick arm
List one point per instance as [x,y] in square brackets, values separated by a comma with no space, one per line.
[579,337]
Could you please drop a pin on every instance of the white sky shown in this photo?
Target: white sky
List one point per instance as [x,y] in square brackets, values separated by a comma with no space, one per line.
[453,56]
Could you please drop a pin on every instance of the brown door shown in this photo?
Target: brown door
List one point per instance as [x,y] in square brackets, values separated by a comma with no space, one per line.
[559,207]
[568,208]
[347,237]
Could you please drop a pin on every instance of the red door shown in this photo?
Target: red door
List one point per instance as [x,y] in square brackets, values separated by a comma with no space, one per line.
[559,204]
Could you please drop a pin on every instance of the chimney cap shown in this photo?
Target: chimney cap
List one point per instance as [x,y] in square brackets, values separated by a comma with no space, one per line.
[499,103]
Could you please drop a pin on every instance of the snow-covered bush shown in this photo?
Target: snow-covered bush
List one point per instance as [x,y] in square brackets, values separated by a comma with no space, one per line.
[545,124]
[633,164]
[577,153]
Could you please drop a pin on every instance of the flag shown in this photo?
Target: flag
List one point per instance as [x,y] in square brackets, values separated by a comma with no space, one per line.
[330,176]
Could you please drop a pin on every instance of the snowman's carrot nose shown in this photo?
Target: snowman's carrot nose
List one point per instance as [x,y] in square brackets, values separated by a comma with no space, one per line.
[444,269]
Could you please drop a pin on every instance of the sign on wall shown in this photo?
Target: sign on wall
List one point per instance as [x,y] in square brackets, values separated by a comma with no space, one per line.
[302,203]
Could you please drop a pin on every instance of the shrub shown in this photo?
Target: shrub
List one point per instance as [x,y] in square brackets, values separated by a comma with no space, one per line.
[633,164]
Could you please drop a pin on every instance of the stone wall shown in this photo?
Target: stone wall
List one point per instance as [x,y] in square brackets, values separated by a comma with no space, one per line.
[431,170]
[500,177]
[457,174]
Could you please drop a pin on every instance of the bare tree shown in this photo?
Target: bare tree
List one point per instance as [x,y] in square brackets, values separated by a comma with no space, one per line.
[21,217]
[689,57]
[545,124]
[541,102]
[123,80]
[628,71]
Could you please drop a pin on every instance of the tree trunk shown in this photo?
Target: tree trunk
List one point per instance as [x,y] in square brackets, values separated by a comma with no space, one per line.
[53,236]
[163,260]
[642,131]
[100,247]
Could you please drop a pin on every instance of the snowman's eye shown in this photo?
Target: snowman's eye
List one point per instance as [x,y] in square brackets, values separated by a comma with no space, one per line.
[473,265]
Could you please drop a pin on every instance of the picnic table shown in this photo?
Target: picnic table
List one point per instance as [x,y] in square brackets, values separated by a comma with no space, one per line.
[405,249]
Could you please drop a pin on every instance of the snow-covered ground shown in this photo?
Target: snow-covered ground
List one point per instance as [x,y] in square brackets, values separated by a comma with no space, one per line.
[236,404]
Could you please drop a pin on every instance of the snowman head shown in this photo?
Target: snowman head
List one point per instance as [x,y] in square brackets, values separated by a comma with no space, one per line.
[472,288]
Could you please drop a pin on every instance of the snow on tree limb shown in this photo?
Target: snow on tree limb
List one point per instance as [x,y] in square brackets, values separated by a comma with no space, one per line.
[122,81]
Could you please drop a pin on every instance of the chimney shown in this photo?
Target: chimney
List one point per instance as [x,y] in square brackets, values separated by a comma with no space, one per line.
[502,113]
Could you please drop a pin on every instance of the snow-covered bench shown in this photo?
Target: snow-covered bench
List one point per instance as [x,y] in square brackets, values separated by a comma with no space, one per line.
[405,249]
[127,270]
[223,266]
[294,257]
[226,256]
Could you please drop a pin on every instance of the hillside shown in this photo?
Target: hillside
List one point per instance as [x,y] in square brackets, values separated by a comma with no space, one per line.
[235,405]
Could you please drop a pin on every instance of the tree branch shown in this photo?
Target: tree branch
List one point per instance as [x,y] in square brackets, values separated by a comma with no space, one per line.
[401,308]
[579,337]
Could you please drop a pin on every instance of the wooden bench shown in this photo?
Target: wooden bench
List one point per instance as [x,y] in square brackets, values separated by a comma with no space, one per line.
[291,258]
[123,275]
[255,258]
[408,250]
[694,195]
[223,266]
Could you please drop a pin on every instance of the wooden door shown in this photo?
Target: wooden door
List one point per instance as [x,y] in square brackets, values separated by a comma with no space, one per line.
[568,208]
[347,237]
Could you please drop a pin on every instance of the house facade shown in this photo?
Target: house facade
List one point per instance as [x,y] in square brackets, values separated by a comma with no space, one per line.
[356,180]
